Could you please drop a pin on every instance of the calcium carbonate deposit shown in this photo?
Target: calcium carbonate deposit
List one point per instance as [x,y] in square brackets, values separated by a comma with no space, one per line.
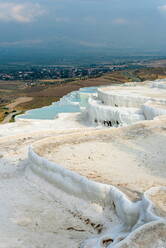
[73,182]
[124,105]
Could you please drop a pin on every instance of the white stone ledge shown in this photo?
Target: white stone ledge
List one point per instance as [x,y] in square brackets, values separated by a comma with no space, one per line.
[121,100]
[123,116]
[152,110]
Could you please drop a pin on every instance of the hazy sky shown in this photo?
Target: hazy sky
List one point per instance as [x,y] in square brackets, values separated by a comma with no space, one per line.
[88,23]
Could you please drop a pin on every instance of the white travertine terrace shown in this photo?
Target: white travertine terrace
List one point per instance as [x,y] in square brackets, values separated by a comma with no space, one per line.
[137,151]
[124,105]
[152,109]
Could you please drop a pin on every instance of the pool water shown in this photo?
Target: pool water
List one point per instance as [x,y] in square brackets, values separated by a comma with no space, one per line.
[71,103]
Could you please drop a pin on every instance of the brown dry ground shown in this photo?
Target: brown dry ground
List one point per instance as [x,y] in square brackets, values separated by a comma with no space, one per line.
[44,95]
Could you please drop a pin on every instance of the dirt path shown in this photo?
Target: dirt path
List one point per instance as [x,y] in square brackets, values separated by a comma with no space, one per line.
[18,101]
[9,116]
[11,107]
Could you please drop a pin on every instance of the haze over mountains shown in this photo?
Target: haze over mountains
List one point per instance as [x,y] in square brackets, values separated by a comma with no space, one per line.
[50,29]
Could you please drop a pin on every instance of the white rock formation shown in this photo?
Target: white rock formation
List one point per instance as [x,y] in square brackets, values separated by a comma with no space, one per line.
[124,105]
[99,112]
[140,223]
[152,109]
